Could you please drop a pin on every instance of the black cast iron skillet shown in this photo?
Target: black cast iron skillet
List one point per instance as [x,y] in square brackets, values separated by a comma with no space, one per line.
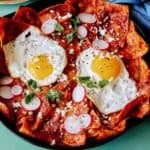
[131,123]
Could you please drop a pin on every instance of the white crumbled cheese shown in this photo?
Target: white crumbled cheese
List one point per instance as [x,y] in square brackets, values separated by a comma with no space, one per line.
[51,11]
[117,39]
[102,31]
[137,94]
[73,65]
[105,121]
[37,90]
[109,119]
[117,33]
[16,104]
[57,110]
[30,113]
[63,40]
[110,39]
[81,42]
[69,104]
[120,56]
[59,33]
[108,55]
[111,31]
[53,105]
[104,116]
[24,112]
[40,115]
[15,110]
[95,29]
[59,17]
[70,26]
[63,113]
[53,142]
[71,51]
[106,18]
[63,77]
[61,121]
[27,91]
[68,15]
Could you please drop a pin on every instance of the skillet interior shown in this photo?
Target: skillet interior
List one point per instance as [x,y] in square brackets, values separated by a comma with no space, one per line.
[131,123]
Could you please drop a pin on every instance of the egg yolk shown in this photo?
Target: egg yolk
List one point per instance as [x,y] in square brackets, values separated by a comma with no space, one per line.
[40,67]
[106,68]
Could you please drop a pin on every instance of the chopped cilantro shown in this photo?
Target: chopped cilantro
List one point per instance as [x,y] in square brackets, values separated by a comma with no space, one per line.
[70,37]
[29,98]
[103,83]
[84,79]
[92,84]
[32,83]
[53,95]
[75,21]
[59,27]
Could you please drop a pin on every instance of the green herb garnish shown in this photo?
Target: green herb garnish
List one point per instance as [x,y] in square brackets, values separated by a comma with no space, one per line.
[32,84]
[29,98]
[92,84]
[70,37]
[59,27]
[75,21]
[103,83]
[53,95]
[84,79]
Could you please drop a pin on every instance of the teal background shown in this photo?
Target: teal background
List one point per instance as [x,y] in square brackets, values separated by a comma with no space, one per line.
[135,138]
[8,9]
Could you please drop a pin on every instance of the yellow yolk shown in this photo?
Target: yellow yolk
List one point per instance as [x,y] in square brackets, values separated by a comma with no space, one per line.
[39,67]
[106,68]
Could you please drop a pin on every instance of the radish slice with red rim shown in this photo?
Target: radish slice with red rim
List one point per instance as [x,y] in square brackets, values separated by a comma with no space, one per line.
[85,120]
[6,80]
[87,18]
[5,92]
[72,124]
[16,90]
[78,93]
[48,26]
[100,44]
[82,31]
[33,105]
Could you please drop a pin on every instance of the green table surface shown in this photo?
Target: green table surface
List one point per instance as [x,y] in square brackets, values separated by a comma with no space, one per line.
[8,9]
[135,138]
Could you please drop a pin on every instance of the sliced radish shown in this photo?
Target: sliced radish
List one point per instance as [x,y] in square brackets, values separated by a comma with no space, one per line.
[87,18]
[72,124]
[85,120]
[5,92]
[16,90]
[82,31]
[78,93]
[48,26]
[100,44]
[6,80]
[33,105]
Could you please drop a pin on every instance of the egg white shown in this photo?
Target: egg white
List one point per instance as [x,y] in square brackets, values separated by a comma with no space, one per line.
[32,43]
[114,96]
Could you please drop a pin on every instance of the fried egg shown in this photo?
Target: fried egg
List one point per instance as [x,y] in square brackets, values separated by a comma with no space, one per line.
[33,56]
[100,65]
